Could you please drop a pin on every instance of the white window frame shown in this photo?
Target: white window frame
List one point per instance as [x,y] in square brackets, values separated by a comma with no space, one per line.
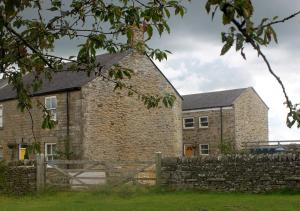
[200,149]
[53,154]
[184,127]
[53,111]
[200,122]
[1,116]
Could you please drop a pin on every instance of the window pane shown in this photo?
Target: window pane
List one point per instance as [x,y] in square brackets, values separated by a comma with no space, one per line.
[204,146]
[204,124]
[189,124]
[53,115]
[48,149]
[53,148]
[203,119]
[189,120]
[53,102]
[47,103]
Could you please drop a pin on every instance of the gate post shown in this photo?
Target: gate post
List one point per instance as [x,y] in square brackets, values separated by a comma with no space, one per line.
[158,168]
[40,172]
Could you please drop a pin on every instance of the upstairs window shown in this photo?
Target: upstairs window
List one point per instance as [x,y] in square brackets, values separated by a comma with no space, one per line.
[204,149]
[188,123]
[51,105]
[203,122]
[1,116]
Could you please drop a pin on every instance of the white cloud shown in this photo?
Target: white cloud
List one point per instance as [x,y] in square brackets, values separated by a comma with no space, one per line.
[197,67]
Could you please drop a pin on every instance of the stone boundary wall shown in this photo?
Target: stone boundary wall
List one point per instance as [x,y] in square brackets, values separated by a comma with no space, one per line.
[233,173]
[20,179]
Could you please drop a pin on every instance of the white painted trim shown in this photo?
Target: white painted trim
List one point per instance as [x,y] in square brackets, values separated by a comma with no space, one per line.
[46,154]
[200,146]
[200,122]
[184,118]
[208,109]
[53,117]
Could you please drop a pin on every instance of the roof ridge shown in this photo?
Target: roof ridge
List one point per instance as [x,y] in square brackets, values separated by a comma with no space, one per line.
[210,92]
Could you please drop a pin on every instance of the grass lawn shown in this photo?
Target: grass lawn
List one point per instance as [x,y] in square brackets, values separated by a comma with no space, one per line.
[150,200]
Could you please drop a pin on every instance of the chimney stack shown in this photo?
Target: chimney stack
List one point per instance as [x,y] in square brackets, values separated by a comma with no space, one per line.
[137,40]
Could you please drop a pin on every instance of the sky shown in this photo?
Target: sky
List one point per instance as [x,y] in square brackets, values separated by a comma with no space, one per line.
[195,64]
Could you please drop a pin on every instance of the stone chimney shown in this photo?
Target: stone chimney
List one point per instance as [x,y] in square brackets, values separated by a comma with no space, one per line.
[137,41]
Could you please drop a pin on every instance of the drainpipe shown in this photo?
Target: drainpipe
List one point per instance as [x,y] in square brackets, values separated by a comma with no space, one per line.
[67,141]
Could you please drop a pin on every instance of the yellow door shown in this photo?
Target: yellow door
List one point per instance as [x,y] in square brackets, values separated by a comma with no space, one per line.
[22,153]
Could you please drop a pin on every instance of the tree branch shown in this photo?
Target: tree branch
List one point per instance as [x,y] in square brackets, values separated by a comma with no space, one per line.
[281,21]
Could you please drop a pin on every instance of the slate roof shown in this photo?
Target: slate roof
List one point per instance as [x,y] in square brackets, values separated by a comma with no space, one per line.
[211,99]
[65,80]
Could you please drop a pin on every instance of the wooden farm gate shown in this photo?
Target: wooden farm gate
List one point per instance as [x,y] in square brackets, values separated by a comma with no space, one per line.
[86,173]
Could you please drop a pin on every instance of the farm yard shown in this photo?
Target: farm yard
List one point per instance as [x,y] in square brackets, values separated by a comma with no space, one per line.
[132,198]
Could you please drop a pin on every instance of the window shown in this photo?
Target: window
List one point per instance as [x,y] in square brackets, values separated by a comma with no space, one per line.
[203,122]
[188,123]
[50,151]
[204,149]
[51,104]
[1,116]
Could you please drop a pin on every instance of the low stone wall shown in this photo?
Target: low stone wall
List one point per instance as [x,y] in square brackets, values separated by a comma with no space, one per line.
[240,173]
[19,179]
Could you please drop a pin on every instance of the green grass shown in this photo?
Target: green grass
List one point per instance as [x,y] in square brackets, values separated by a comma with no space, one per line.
[128,198]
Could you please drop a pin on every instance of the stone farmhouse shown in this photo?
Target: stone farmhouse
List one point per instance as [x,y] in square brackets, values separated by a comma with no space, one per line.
[99,123]
[217,119]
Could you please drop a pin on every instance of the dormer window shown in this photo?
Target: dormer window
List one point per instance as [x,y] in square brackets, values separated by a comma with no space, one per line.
[51,105]
[188,123]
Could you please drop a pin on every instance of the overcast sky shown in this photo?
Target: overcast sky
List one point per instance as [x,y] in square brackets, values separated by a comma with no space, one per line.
[196,65]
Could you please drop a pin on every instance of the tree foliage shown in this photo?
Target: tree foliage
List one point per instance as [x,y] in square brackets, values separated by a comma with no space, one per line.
[27,43]
[238,16]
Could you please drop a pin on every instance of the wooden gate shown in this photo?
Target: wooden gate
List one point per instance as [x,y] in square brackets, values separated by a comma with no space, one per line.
[86,173]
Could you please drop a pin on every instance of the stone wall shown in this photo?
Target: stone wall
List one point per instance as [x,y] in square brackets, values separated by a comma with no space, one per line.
[212,134]
[120,127]
[20,180]
[251,118]
[233,173]
[17,125]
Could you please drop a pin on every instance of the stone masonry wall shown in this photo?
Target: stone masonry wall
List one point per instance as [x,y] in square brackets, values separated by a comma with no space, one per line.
[233,173]
[120,127]
[251,118]
[212,134]
[20,179]
[17,125]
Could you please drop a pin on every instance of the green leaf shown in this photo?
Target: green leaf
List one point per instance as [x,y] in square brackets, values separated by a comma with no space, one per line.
[228,45]
[239,42]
